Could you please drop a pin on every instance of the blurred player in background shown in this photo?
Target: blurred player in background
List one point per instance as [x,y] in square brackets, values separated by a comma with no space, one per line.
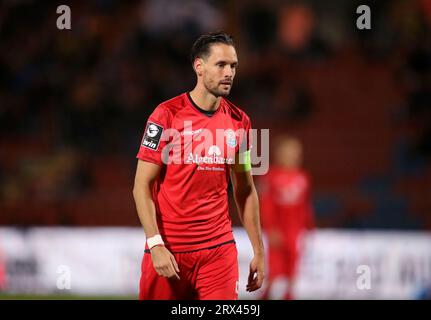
[183,207]
[2,272]
[286,214]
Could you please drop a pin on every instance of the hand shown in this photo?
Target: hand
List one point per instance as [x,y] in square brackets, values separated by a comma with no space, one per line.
[257,273]
[164,262]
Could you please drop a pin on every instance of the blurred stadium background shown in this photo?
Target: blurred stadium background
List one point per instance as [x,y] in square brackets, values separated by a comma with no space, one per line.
[73,105]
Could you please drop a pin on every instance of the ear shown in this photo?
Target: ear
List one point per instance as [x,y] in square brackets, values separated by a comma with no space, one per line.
[198,66]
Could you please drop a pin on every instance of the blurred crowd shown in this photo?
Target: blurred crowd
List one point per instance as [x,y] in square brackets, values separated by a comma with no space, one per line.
[73,103]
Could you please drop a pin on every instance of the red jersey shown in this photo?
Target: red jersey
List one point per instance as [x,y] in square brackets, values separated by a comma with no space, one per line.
[195,149]
[286,205]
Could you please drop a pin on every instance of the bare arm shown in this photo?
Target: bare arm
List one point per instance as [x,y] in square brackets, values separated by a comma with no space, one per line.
[146,174]
[248,209]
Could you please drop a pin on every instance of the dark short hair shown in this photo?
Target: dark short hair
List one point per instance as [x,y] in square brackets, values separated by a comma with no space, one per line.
[201,47]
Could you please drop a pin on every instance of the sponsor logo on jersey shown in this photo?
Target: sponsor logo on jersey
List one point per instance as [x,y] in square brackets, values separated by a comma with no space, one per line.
[190,132]
[214,150]
[152,136]
[213,157]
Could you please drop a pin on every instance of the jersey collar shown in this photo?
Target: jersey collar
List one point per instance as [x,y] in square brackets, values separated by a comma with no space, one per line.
[204,112]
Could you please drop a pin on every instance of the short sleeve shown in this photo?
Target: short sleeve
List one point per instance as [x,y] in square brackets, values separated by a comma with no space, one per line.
[154,137]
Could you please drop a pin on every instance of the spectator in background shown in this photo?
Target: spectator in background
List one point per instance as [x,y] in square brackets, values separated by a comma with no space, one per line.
[286,214]
[297,33]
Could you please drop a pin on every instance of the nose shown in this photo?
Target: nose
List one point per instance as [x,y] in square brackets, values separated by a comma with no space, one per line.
[228,72]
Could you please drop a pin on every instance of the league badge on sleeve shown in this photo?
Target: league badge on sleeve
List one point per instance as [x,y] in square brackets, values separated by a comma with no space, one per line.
[152,136]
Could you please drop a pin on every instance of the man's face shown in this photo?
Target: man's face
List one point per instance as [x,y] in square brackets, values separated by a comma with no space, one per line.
[218,69]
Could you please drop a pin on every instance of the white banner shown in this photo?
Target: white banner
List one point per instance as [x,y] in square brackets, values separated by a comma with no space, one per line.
[106,261]
[365,265]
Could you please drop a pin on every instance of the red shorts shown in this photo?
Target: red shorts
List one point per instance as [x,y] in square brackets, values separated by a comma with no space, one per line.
[207,274]
[282,262]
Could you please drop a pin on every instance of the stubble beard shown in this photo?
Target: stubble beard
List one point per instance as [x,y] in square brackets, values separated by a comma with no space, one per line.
[217,92]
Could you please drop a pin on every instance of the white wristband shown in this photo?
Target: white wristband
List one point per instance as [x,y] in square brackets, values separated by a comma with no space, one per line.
[155,241]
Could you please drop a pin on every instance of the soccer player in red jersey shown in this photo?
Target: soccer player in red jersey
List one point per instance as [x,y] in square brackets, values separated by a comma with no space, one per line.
[192,146]
[286,214]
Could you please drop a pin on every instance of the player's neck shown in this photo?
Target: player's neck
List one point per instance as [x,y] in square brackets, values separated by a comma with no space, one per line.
[205,100]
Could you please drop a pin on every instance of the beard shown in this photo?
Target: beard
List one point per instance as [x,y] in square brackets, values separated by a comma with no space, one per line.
[218,89]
